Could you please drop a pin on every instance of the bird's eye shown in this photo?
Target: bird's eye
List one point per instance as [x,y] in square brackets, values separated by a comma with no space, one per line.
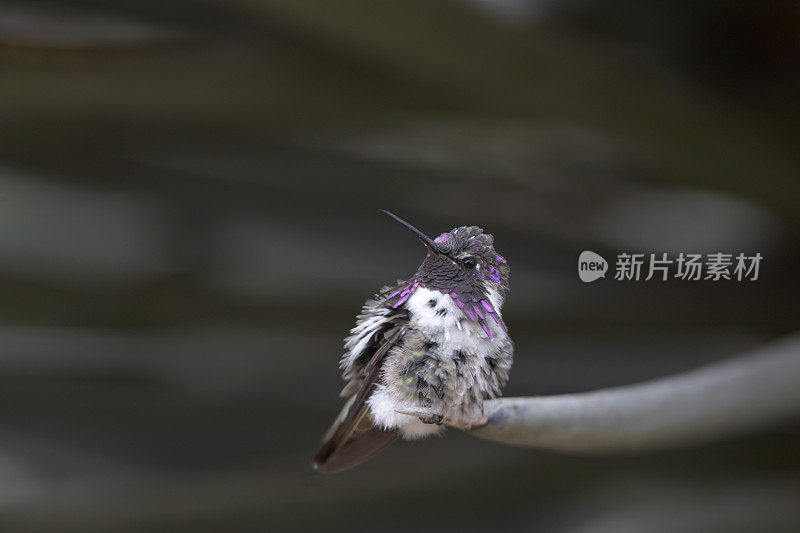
[469,263]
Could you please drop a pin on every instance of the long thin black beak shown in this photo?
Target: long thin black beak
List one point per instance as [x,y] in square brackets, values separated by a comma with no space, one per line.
[424,238]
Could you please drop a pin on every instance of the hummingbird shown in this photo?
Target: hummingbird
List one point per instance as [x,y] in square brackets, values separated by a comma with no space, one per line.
[425,351]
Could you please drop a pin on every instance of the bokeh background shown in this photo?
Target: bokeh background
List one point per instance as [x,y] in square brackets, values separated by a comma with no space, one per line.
[188,226]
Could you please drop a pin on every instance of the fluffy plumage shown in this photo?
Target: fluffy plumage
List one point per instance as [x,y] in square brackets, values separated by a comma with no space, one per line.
[424,351]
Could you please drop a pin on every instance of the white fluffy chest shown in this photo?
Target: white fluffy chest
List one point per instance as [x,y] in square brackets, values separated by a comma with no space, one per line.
[482,365]
[436,315]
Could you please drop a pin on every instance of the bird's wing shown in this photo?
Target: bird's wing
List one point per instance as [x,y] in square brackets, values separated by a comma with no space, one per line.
[352,438]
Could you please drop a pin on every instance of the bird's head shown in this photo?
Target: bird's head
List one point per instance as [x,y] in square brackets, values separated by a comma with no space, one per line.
[462,263]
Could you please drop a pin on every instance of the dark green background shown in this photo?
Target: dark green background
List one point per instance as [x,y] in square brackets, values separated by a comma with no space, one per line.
[188,226]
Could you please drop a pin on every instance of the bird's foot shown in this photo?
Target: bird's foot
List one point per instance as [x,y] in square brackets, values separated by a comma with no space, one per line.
[426,416]
[435,419]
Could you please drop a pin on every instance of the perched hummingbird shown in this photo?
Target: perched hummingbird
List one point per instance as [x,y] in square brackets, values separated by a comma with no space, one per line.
[424,351]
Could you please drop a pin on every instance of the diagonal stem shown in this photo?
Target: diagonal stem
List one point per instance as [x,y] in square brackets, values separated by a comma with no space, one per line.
[717,401]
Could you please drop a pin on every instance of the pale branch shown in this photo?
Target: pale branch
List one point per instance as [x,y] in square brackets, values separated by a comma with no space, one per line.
[720,400]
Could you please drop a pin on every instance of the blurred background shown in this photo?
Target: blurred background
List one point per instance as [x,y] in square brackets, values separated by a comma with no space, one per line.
[188,227]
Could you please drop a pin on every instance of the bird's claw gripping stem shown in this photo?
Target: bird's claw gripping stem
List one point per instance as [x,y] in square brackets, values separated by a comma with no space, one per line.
[435,419]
